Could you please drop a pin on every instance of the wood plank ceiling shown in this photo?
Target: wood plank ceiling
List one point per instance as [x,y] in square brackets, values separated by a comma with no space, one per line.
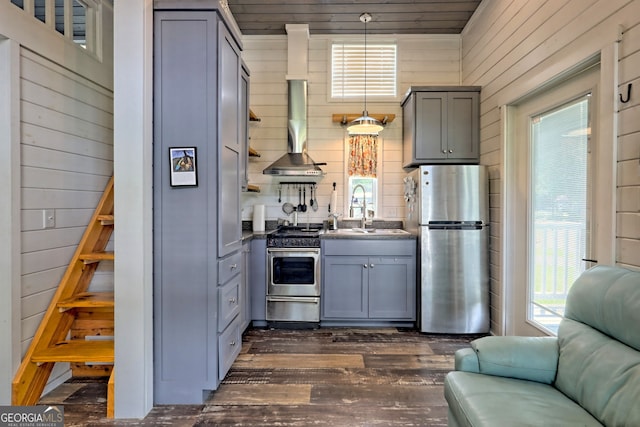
[268,17]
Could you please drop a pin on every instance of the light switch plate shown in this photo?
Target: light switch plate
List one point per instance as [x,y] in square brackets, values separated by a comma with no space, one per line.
[48,218]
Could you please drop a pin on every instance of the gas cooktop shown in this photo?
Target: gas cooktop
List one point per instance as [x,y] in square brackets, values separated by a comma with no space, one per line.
[294,237]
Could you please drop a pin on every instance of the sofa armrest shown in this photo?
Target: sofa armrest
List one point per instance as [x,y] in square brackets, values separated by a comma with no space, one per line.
[528,358]
[466,360]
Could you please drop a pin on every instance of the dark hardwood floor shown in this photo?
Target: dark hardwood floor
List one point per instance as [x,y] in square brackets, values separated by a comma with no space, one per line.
[322,377]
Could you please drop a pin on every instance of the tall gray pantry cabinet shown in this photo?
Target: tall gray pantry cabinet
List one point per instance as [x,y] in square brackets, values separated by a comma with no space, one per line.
[198,259]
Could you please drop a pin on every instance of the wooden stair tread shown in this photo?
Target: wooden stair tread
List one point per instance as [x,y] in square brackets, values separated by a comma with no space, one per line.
[106,219]
[77,351]
[88,300]
[97,256]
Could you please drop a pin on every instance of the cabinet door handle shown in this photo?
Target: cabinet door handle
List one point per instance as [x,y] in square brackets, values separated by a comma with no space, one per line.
[372,265]
[233,266]
[365,266]
[232,343]
[450,151]
[444,151]
[232,300]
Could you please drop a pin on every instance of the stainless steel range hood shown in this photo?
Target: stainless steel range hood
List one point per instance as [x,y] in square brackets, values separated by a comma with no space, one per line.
[296,162]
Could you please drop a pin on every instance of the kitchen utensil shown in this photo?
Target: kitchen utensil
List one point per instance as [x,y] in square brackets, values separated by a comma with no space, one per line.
[288,208]
[311,200]
[280,193]
[304,198]
[314,201]
[299,199]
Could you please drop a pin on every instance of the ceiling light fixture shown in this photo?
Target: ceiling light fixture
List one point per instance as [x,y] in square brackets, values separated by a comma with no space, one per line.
[365,125]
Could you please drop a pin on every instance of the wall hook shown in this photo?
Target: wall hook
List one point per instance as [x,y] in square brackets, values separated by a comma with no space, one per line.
[624,101]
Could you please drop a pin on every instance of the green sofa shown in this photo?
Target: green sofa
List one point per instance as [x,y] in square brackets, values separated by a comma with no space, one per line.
[589,375]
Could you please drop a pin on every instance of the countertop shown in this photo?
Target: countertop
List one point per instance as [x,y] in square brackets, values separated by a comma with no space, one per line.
[248,235]
[369,235]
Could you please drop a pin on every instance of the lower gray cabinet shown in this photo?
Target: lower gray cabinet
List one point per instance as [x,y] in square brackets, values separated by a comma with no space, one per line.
[392,288]
[230,277]
[229,345]
[369,285]
[229,301]
[345,294]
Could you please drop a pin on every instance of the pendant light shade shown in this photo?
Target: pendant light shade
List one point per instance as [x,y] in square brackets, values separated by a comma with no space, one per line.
[365,125]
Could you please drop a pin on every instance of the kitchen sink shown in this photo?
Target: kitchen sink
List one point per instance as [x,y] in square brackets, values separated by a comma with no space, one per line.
[368,231]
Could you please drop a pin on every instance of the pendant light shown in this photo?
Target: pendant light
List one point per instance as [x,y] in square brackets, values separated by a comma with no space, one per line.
[365,125]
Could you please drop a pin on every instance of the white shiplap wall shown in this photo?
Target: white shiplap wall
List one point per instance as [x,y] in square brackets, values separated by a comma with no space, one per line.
[509,48]
[422,60]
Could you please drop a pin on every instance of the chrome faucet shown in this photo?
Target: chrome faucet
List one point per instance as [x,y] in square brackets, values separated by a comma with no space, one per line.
[363,220]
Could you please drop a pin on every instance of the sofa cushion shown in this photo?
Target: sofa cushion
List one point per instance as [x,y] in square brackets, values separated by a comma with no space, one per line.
[484,400]
[607,299]
[600,373]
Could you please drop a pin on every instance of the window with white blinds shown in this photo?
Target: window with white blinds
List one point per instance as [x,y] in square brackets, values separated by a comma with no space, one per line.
[349,75]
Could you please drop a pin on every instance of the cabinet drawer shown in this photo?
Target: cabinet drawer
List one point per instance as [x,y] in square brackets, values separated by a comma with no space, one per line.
[229,346]
[229,267]
[228,303]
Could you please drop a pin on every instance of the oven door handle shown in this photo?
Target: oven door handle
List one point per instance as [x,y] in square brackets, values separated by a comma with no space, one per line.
[276,250]
[312,300]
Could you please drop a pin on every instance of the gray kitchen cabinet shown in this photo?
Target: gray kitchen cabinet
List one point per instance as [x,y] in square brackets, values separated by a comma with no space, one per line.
[230,276]
[196,231]
[441,125]
[229,298]
[258,281]
[230,158]
[345,294]
[392,287]
[379,283]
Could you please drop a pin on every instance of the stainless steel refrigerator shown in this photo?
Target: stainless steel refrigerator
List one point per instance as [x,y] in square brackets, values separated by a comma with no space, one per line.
[447,205]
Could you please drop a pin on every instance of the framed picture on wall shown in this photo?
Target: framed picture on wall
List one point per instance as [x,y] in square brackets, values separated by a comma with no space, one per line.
[183,166]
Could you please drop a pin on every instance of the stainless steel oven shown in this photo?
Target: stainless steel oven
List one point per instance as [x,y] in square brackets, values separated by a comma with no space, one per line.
[293,276]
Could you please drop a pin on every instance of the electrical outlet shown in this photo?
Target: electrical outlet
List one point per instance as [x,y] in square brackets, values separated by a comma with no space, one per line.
[48,218]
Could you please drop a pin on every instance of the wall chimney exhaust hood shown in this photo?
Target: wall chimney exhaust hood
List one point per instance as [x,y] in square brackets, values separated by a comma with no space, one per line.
[296,162]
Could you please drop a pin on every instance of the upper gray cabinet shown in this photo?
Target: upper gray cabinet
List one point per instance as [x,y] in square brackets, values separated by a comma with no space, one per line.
[441,124]
[232,147]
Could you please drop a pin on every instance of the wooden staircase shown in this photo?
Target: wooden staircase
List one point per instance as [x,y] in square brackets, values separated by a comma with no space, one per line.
[73,316]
